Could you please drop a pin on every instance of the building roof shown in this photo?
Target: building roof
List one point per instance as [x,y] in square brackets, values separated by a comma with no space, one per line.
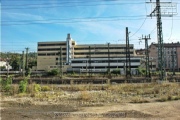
[168,44]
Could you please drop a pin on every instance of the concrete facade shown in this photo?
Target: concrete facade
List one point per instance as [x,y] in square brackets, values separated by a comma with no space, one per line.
[49,58]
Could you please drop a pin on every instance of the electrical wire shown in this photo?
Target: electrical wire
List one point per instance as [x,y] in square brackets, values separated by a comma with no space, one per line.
[141,24]
[68,2]
[75,18]
[171,27]
[70,22]
[26,7]
[153,30]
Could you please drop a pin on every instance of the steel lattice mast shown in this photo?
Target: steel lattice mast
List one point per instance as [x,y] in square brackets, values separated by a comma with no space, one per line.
[166,13]
[160,42]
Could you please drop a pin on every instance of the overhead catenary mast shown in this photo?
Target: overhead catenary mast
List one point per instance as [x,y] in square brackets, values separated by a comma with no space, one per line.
[128,57]
[157,13]
[146,38]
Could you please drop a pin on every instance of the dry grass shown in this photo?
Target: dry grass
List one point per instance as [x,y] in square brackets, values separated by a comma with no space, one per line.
[105,94]
[84,95]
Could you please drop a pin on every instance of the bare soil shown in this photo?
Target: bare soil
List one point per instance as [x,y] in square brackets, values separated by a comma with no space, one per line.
[90,102]
[10,110]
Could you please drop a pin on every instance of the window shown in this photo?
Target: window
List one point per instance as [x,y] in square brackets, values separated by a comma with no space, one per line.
[41,54]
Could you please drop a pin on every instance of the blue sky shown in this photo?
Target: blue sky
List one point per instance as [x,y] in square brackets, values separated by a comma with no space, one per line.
[26,22]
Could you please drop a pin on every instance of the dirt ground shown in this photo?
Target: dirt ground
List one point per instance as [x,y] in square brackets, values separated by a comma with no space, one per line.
[83,102]
[10,110]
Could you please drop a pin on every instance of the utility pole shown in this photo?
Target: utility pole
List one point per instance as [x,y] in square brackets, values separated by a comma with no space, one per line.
[169,8]
[7,64]
[128,59]
[26,66]
[90,62]
[23,63]
[60,62]
[173,62]
[108,60]
[146,38]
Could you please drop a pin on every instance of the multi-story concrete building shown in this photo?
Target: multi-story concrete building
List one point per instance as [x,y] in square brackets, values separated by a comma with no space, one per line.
[171,55]
[83,57]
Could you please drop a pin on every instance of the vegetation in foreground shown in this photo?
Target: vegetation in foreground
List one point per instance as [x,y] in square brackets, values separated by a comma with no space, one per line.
[89,94]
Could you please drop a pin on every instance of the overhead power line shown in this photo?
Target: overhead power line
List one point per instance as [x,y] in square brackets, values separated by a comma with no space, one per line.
[72,22]
[72,2]
[51,22]
[74,5]
[76,18]
[141,24]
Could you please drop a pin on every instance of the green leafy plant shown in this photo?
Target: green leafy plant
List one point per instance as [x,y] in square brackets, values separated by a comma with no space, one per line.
[28,72]
[141,71]
[6,84]
[37,87]
[23,86]
[117,71]
[53,72]
[45,88]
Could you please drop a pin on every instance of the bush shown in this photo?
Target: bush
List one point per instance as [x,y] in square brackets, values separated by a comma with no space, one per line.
[45,88]
[23,86]
[53,72]
[28,72]
[37,87]
[117,71]
[6,84]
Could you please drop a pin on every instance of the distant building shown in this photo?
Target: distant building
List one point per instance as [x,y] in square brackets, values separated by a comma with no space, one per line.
[94,57]
[152,61]
[140,51]
[171,51]
[5,65]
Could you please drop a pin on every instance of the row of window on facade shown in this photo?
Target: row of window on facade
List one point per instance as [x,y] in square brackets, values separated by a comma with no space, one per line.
[87,53]
[171,52]
[170,65]
[101,67]
[57,44]
[55,66]
[104,61]
[99,48]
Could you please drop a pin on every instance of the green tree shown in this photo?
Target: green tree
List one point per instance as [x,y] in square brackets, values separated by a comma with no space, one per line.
[32,62]
[2,68]
[14,61]
[53,72]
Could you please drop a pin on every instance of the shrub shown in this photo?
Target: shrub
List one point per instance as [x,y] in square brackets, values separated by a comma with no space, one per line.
[117,71]
[45,88]
[176,98]
[37,87]
[28,72]
[6,84]
[53,72]
[23,86]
